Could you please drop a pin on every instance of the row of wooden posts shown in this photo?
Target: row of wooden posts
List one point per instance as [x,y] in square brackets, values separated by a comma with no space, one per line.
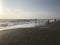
[48,21]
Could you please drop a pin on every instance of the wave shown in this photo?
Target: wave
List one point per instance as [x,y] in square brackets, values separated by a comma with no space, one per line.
[10,24]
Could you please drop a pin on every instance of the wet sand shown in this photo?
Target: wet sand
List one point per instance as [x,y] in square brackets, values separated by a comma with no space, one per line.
[31,36]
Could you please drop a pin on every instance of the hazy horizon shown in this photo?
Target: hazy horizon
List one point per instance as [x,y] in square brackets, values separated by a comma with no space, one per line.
[29,9]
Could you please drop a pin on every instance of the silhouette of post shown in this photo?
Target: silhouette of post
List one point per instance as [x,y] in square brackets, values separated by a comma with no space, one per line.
[55,20]
[48,21]
[35,22]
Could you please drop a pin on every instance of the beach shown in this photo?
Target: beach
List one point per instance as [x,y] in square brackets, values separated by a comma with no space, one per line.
[31,36]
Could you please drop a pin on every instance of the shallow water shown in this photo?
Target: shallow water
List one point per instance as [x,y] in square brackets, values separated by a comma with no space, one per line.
[10,24]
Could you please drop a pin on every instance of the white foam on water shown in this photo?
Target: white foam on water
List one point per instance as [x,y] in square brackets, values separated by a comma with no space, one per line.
[14,25]
[18,26]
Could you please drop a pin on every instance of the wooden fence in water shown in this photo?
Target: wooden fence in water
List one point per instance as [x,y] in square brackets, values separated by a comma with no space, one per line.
[45,21]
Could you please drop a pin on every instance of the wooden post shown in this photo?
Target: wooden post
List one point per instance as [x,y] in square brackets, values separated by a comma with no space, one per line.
[55,20]
[35,22]
[48,21]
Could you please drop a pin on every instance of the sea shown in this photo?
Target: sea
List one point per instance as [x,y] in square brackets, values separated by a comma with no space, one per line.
[21,23]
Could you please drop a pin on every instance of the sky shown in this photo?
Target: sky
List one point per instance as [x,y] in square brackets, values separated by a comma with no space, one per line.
[29,9]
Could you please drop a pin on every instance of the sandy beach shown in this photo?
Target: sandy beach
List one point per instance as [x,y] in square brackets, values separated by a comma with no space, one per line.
[32,36]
